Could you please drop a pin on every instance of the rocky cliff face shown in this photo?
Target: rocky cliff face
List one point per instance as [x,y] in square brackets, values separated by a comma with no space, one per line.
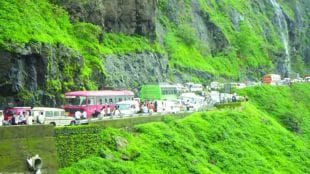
[135,69]
[34,72]
[129,17]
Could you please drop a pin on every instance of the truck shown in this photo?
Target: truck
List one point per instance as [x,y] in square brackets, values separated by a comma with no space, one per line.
[271,79]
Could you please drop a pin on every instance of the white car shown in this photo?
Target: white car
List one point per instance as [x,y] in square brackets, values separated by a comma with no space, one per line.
[129,107]
[52,116]
[168,106]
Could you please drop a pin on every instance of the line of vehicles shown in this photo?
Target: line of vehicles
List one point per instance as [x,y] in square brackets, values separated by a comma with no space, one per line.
[35,115]
[275,79]
[82,106]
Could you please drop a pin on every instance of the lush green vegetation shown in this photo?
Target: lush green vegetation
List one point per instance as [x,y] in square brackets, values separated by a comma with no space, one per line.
[250,45]
[288,105]
[249,139]
[22,23]
[74,143]
[121,44]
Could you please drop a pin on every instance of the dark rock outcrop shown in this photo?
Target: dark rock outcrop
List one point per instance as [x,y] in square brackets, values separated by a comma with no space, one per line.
[129,17]
[36,73]
[135,69]
[208,32]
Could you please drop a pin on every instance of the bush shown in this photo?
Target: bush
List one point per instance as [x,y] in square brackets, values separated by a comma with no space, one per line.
[76,143]
[290,122]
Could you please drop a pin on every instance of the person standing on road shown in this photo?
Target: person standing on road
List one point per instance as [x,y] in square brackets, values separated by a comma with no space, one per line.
[29,119]
[108,110]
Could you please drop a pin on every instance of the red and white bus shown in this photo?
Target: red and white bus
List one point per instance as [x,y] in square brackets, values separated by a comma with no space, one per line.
[91,103]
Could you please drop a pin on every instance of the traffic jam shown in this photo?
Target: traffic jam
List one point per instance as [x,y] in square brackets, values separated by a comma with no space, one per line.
[81,107]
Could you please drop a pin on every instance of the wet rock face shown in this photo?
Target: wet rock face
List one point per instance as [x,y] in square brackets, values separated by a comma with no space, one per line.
[30,67]
[84,11]
[6,63]
[20,71]
[134,69]
[129,16]
[210,34]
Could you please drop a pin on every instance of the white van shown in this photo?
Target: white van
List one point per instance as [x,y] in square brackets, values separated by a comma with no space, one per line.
[167,106]
[192,101]
[129,107]
[53,116]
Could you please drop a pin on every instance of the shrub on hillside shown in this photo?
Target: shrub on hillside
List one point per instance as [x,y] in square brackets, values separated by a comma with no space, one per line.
[187,34]
[290,122]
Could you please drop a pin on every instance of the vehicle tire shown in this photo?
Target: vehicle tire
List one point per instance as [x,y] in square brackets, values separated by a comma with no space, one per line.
[53,124]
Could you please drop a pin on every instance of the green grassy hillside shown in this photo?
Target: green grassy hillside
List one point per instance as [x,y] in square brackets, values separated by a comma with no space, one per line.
[231,49]
[249,139]
[288,105]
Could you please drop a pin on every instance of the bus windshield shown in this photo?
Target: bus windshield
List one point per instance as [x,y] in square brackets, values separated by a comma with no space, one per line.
[76,100]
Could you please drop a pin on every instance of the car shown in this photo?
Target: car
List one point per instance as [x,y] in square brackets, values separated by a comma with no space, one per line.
[129,107]
[52,116]
[167,106]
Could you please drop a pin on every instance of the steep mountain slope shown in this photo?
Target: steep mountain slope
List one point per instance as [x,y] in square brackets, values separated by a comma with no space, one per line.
[241,140]
[293,113]
[51,46]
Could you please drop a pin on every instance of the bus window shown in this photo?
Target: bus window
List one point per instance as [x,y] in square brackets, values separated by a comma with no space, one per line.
[49,113]
[56,113]
[82,100]
[100,101]
[76,100]
[91,101]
